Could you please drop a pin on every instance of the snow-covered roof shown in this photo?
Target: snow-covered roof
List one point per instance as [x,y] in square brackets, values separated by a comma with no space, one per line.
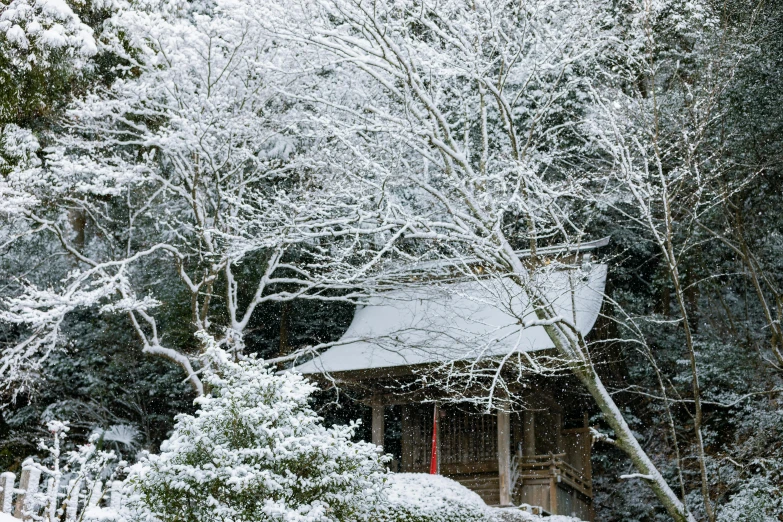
[459,321]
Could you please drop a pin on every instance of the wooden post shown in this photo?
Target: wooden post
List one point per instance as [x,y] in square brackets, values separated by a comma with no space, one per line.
[7,483]
[72,504]
[115,501]
[587,449]
[378,425]
[558,422]
[555,473]
[529,433]
[51,495]
[95,493]
[406,438]
[504,457]
[440,415]
[29,483]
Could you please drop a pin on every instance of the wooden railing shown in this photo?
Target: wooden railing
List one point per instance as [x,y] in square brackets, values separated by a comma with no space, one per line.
[58,502]
[548,466]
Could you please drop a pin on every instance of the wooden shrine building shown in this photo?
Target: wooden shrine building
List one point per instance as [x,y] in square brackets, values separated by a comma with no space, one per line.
[534,448]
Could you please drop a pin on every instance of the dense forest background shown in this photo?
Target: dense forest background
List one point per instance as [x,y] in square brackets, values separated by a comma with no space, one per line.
[730,274]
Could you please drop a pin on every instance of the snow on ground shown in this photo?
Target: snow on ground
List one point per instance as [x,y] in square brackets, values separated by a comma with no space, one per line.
[421,490]
[438,495]
[517,515]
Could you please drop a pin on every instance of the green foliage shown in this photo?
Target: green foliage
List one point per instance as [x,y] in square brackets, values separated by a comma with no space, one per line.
[255,451]
[101,379]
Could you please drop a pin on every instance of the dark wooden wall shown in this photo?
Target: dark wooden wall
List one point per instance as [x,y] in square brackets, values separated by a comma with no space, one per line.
[469,452]
[468,441]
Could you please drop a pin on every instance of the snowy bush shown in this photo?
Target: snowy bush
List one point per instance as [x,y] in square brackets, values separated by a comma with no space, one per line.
[31,30]
[255,451]
[417,497]
[759,497]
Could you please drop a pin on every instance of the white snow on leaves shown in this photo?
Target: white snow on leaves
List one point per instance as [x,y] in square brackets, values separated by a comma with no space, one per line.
[44,26]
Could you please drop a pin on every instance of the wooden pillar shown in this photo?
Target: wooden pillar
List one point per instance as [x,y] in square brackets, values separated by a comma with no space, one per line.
[406,439]
[437,435]
[558,422]
[529,433]
[7,480]
[504,457]
[29,483]
[72,504]
[377,425]
[587,449]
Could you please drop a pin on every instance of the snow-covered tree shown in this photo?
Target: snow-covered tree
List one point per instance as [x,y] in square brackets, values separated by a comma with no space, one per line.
[34,31]
[44,44]
[466,119]
[237,154]
[255,451]
[660,127]
[169,182]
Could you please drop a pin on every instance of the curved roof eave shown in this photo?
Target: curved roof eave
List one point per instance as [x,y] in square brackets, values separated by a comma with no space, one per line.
[458,322]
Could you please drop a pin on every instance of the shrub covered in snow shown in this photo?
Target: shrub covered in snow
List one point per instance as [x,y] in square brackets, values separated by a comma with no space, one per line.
[759,499]
[524,513]
[255,451]
[417,497]
[31,30]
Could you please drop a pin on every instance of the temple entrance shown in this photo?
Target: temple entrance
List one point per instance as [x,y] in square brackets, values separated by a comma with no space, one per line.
[546,464]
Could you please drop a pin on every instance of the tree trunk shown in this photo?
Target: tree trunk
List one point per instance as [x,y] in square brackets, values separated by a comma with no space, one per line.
[571,347]
[626,441]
